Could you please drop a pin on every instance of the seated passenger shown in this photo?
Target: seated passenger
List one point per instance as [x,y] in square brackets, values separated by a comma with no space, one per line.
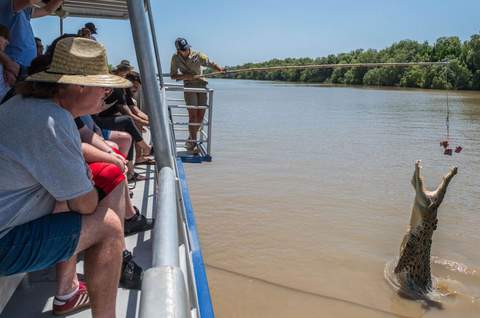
[118,116]
[118,139]
[42,171]
[108,167]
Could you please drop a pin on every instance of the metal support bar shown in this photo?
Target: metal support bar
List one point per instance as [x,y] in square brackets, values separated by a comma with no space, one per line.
[164,293]
[165,231]
[61,25]
[189,124]
[155,104]
[155,43]
[210,107]
[188,107]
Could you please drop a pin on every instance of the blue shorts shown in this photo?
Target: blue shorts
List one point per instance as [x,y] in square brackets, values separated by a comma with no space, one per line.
[106,133]
[40,244]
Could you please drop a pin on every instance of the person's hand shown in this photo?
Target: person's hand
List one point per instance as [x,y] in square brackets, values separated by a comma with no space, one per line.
[120,162]
[89,173]
[12,67]
[10,78]
[60,206]
[189,77]
[119,157]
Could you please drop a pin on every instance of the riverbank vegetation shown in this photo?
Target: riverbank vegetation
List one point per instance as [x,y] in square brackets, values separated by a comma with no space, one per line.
[462,71]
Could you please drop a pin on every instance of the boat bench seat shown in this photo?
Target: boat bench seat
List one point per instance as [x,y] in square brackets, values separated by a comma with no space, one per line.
[8,285]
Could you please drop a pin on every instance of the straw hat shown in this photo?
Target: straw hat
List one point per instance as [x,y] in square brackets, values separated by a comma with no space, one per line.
[79,61]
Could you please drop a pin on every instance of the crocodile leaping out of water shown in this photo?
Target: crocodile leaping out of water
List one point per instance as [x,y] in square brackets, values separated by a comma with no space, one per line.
[413,268]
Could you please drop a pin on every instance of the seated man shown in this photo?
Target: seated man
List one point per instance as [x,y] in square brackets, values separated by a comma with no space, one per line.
[42,171]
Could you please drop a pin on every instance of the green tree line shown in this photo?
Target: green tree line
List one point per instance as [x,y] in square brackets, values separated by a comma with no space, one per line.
[462,71]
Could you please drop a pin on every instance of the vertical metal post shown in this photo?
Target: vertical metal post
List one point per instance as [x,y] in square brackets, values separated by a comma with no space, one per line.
[155,43]
[61,25]
[210,112]
[155,105]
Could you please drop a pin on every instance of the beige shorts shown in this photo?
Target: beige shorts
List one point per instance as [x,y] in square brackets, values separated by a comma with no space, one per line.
[195,99]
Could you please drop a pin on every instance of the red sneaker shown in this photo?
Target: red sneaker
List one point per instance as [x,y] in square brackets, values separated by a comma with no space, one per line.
[78,301]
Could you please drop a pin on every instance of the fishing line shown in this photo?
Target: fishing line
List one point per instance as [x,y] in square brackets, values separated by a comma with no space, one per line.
[278,285]
[322,66]
[446,142]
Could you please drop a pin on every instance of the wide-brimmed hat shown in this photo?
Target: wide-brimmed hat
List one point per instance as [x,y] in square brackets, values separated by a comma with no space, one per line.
[79,61]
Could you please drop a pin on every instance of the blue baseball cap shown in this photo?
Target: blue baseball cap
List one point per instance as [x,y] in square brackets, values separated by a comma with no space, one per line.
[181,44]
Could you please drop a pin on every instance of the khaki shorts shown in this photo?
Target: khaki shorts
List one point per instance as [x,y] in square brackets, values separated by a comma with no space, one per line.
[195,99]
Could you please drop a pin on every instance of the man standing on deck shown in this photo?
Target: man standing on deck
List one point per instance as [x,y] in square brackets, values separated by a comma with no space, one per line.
[16,15]
[187,65]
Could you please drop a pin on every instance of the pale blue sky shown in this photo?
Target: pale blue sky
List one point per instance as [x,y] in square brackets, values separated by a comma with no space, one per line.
[235,32]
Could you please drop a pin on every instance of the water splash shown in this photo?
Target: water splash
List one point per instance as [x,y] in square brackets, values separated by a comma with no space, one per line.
[451,281]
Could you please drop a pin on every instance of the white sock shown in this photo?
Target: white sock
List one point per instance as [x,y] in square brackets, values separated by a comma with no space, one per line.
[67,296]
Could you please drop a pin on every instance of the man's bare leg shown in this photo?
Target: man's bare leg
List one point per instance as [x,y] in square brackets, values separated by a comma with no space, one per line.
[102,240]
[67,280]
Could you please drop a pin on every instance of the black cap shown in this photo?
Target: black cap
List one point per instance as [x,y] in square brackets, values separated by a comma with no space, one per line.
[181,44]
[91,27]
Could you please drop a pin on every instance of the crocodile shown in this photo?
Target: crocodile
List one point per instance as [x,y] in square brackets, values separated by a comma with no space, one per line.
[413,267]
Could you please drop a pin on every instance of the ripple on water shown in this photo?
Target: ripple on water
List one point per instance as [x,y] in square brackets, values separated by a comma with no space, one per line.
[451,281]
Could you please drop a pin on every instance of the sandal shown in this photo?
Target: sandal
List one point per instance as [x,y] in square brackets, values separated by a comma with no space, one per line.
[137,177]
[147,161]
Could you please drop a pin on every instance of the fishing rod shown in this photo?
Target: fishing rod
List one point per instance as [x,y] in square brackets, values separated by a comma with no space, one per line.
[322,66]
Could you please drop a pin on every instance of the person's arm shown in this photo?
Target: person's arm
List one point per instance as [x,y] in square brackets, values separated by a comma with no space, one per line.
[205,61]
[138,112]
[89,136]
[84,204]
[19,5]
[11,69]
[133,107]
[92,154]
[127,111]
[47,9]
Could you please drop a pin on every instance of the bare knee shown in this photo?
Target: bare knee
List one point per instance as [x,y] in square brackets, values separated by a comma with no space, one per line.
[113,226]
[125,137]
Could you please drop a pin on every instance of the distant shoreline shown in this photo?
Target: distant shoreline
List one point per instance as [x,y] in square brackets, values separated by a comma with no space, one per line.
[461,73]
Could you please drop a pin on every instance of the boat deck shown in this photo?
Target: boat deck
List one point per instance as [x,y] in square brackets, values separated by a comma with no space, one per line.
[34,296]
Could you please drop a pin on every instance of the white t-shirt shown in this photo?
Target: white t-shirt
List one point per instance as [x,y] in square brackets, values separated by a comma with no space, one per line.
[4,87]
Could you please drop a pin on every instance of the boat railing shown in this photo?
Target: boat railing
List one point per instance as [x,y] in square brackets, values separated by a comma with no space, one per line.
[170,287]
[179,119]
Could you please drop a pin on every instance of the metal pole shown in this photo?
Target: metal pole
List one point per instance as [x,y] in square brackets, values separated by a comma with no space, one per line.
[165,231]
[210,108]
[154,102]
[61,25]
[155,44]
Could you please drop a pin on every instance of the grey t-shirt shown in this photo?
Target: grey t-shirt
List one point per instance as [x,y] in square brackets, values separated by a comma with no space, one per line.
[41,160]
